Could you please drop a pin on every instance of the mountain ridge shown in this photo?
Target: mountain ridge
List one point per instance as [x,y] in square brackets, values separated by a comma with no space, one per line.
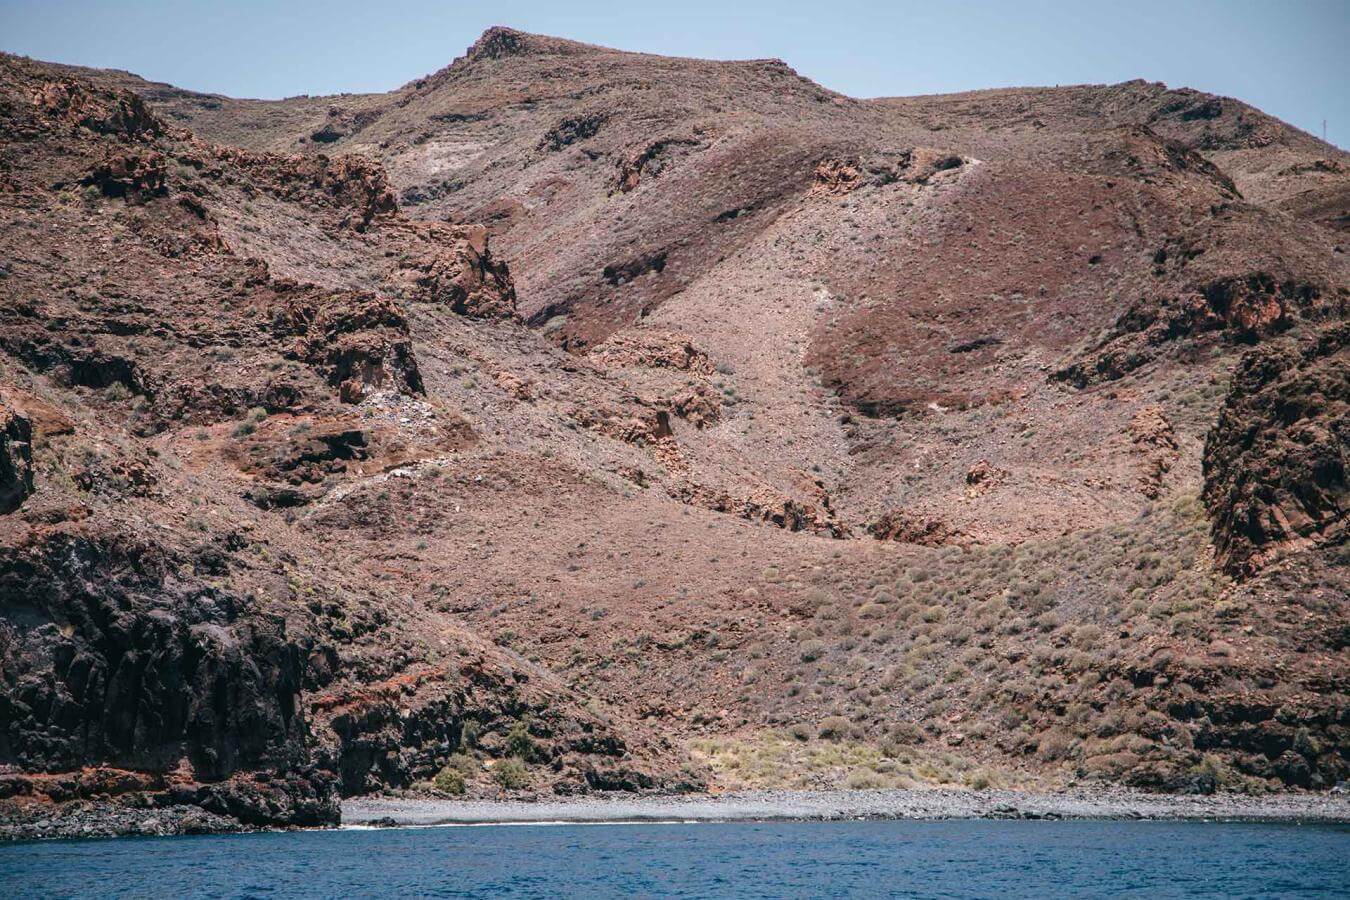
[654,424]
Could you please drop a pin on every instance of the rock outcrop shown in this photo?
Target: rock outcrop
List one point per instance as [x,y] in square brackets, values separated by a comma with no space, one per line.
[836,176]
[135,176]
[358,341]
[110,658]
[72,105]
[794,514]
[698,404]
[452,266]
[357,188]
[651,348]
[1243,308]
[1275,462]
[16,459]
[1155,442]
[651,161]
[983,477]
[1201,290]
[908,528]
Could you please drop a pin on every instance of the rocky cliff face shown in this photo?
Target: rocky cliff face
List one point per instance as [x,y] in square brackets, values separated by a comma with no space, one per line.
[161,644]
[1275,462]
[578,420]
[111,660]
[16,459]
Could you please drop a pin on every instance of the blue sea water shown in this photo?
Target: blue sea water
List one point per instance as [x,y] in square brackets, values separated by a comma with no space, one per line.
[797,859]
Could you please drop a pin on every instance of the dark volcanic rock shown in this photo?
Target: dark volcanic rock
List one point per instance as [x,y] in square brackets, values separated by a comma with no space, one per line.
[1275,462]
[16,459]
[139,670]
[909,529]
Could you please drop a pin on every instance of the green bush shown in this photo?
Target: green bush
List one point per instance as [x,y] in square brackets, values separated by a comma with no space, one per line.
[906,733]
[449,781]
[1054,745]
[511,774]
[933,614]
[463,763]
[519,742]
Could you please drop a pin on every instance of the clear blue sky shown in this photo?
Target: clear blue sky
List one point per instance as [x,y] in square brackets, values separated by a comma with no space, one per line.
[1289,57]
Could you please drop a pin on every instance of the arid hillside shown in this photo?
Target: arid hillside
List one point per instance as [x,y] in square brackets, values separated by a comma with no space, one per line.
[572,419]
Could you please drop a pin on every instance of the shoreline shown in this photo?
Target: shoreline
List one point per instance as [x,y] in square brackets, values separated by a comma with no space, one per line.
[816,806]
[94,819]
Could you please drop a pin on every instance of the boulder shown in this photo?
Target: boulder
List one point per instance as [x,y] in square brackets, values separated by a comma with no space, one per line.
[698,404]
[982,477]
